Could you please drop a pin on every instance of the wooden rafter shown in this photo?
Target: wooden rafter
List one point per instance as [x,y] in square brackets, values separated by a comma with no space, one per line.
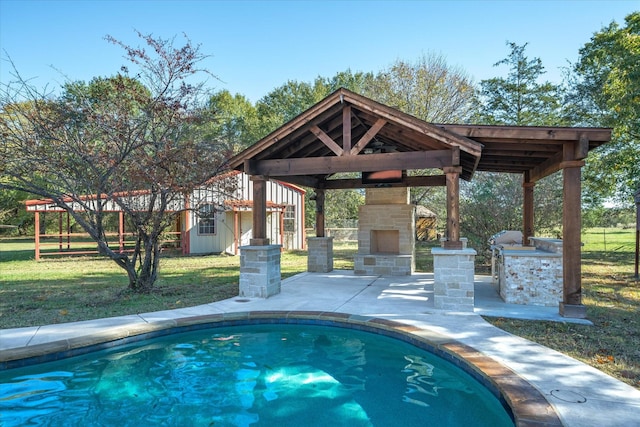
[368,136]
[326,139]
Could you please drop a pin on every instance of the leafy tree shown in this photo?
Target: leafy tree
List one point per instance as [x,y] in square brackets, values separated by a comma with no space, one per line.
[489,204]
[13,213]
[428,89]
[234,120]
[284,103]
[136,143]
[605,87]
[519,99]
[292,98]
[357,82]
[493,202]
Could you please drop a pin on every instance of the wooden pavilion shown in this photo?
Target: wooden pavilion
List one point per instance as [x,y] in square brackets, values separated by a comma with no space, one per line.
[346,132]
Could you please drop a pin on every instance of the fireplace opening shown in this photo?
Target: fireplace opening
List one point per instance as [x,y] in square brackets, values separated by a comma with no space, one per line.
[385,242]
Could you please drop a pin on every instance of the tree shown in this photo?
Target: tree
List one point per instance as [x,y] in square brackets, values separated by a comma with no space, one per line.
[234,120]
[605,90]
[284,103]
[489,204]
[136,143]
[492,201]
[12,212]
[428,89]
[292,98]
[520,99]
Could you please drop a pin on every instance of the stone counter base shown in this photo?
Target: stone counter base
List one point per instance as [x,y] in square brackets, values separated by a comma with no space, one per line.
[381,264]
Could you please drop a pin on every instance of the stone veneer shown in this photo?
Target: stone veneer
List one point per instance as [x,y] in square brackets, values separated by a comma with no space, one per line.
[453,284]
[319,254]
[386,214]
[532,277]
[260,271]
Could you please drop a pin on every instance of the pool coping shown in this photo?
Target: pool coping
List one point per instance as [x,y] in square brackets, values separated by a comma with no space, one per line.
[526,404]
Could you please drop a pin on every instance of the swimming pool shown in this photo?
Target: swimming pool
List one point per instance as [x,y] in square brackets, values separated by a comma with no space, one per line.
[254,374]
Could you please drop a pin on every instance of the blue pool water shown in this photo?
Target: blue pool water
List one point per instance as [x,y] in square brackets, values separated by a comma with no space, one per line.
[258,375]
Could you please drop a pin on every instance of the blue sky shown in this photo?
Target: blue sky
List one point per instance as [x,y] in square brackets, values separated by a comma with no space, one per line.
[256,46]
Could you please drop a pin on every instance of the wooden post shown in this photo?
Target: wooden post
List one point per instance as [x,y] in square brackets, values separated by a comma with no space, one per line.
[637,197]
[60,231]
[527,209]
[259,211]
[36,227]
[304,228]
[236,232]
[68,231]
[346,130]
[320,232]
[121,231]
[571,305]
[281,225]
[453,207]
[185,238]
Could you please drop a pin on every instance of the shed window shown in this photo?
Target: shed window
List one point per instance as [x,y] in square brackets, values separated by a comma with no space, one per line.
[207,219]
[290,218]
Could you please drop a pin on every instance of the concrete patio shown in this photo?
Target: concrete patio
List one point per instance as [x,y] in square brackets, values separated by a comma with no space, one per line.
[581,395]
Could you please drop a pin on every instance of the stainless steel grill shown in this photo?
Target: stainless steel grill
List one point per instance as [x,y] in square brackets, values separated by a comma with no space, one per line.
[498,242]
[506,238]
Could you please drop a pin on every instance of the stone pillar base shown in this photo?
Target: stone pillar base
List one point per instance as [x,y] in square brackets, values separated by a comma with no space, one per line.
[259,271]
[319,254]
[453,272]
[575,311]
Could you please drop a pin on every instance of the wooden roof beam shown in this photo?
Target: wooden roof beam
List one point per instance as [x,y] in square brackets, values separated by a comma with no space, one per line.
[546,168]
[407,181]
[529,132]
[301,180]
[361,163]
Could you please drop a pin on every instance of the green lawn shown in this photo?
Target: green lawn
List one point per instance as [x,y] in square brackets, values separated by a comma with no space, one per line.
[57,290]
[612,298]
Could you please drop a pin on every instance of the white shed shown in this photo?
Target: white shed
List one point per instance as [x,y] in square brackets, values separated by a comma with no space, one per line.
[221,215]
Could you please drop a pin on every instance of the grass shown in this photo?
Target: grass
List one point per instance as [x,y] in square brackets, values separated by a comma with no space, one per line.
[612,297]
[68,289]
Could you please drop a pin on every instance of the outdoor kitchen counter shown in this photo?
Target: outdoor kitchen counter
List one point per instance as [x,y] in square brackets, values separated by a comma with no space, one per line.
[531,275]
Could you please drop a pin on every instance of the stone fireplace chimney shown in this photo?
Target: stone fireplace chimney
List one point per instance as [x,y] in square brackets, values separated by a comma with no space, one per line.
[386,233]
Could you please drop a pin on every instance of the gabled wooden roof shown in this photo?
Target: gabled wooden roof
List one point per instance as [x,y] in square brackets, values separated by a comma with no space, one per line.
[347,132]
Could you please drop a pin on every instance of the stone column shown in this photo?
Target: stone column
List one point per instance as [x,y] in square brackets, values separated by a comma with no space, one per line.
[453,271]
[260,271]
[319,254]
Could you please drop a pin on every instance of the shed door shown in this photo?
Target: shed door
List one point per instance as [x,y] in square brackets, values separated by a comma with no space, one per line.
[246,225]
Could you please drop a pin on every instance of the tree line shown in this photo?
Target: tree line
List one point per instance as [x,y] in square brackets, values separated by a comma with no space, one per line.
[153,126]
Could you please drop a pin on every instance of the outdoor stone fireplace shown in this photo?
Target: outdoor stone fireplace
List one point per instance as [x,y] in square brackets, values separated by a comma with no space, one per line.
[386,233]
